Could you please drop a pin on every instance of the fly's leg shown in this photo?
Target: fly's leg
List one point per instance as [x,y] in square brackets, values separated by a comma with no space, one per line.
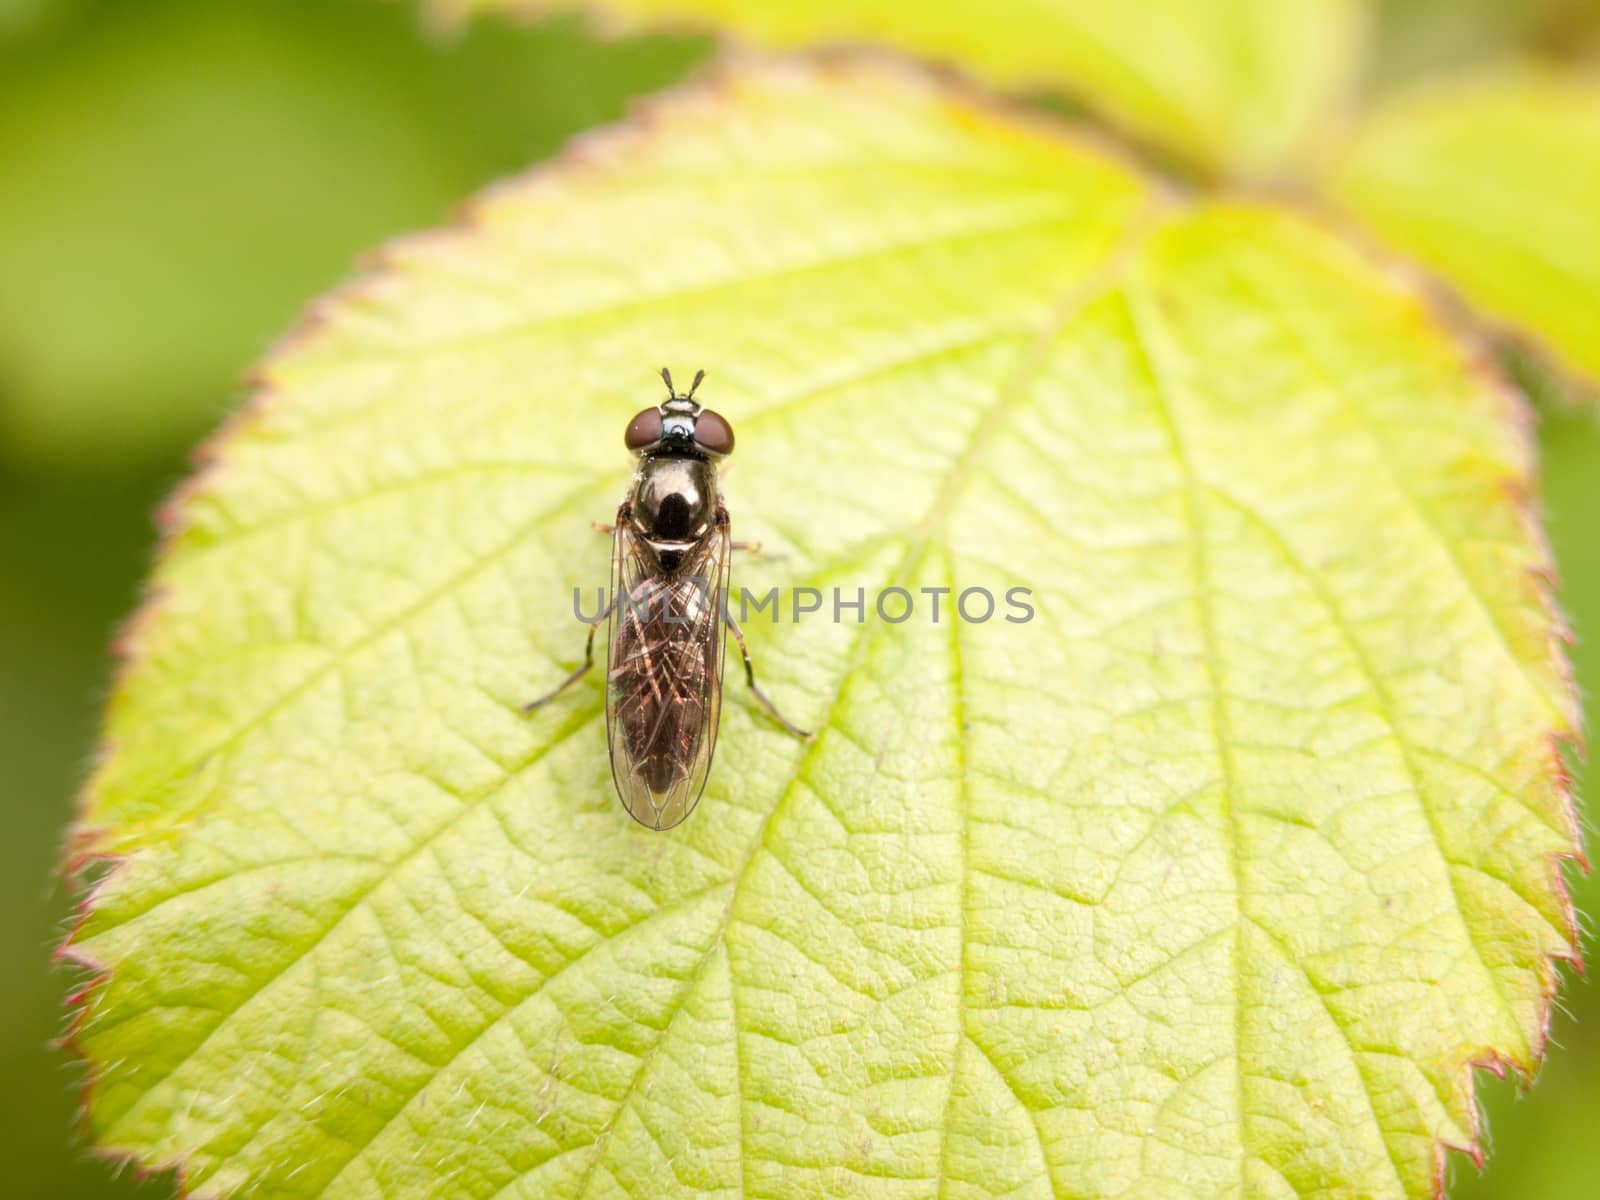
[594,626]
[755,549]
[588,661]
[761,697]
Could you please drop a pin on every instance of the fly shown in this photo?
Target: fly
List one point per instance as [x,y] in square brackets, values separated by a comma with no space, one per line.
[670,552]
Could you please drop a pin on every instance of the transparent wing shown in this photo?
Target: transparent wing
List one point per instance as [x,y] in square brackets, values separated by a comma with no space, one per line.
[664,676]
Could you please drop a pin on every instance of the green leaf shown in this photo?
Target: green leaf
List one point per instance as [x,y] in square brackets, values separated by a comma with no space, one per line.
[1246,87]
[1493,182]
[1212,879]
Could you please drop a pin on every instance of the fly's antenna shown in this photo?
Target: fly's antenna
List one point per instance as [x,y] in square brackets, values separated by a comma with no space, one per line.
[666,378]
[698,376]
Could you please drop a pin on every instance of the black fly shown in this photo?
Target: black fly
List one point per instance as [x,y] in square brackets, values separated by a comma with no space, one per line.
[669,576]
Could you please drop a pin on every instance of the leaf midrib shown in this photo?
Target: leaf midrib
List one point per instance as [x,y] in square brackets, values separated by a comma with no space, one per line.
[919,543]
[987,426]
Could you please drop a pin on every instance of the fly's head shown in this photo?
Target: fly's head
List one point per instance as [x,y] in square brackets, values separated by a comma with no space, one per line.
[679,427]
[678,444]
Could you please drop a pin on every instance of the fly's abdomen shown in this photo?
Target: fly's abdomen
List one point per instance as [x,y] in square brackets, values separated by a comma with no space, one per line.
[661,699]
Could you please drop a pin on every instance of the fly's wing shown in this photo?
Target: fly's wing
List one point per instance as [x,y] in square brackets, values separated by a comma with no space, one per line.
[664,677]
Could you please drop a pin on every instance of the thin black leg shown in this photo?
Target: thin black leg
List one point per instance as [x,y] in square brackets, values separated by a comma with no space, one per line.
[750,678]
[588,661]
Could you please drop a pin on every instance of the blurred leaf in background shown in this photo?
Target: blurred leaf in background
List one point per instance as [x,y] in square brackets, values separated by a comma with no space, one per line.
[176,178]
[1445,173]
[1421,37]
[181,175]
[1235,87]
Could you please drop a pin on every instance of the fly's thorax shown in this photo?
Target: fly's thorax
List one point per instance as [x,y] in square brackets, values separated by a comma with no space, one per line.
[674,500]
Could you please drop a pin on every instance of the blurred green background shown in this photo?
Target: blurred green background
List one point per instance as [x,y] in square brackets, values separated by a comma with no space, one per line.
[176,178]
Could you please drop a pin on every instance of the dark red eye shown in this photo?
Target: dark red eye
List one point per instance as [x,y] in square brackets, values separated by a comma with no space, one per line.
[644,430]
[712,434]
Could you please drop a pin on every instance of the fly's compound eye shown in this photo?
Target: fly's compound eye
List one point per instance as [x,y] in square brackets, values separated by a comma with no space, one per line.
[713,434]
[644,430]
